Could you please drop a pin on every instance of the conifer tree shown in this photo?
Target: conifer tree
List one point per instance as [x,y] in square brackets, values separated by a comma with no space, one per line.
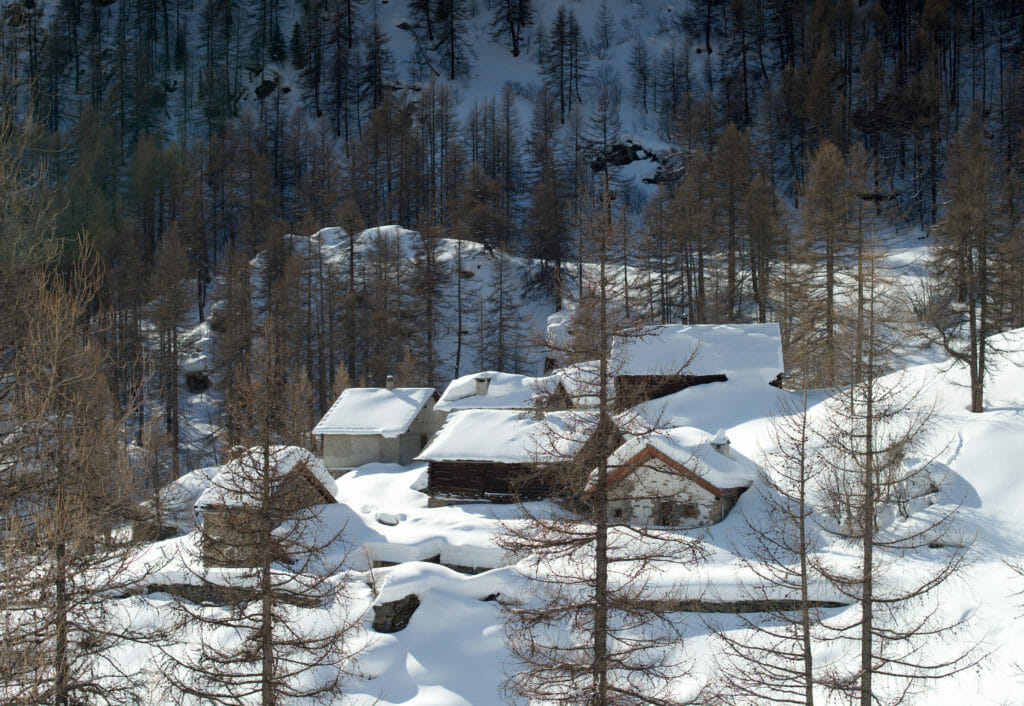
[565,61]
[764,224]
[378,66]
[426,286]
[269,566]
[545,216]
[875,470]
[383,279]
[732,171]
[66,490]
[772,659]
[422,12]
[510,19]
[602,132]
[232,325]
[604,31]
[640,65]
[964,314]
[595,629]
[823,244]
[691,214]
[506,334]
[451,18]
[168,286]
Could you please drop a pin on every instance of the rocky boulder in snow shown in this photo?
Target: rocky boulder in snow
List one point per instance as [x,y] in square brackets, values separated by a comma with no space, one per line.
[621,154]
[197,381]
[395,615]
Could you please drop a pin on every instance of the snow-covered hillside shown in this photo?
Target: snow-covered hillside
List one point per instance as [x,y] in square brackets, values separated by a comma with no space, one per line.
[452,652]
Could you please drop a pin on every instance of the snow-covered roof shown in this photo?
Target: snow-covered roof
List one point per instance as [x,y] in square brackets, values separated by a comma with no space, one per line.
[503,391]
[374,410]
[229,486]
[508,436]
[181,494]
[749,355]
[750,350]
[692,448]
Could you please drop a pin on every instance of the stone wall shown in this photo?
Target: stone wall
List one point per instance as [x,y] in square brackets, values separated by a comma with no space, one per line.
[346,451]
[639,497]
[343,452]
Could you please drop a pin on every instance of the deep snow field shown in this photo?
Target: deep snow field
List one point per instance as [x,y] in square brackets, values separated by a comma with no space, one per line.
[452,650]
[452,653]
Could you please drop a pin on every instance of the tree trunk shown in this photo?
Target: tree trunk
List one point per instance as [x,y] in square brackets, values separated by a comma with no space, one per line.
[62,676]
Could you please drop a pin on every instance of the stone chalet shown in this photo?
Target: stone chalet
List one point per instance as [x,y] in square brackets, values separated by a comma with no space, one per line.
[378,424]
[682,477]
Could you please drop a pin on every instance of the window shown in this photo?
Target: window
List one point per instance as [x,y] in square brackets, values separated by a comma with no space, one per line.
[667,515]
[617,513]
[671,513]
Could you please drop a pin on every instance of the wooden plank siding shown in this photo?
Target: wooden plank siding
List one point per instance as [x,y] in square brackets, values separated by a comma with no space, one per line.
[484,480]
[631,390]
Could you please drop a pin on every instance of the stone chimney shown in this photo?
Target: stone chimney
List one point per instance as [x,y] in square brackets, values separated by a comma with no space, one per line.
[389,382]
[721,443]
[482,383]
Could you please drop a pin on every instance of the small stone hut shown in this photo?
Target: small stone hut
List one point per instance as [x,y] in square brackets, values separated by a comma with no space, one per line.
[378,424]
[679,478]
[230,510]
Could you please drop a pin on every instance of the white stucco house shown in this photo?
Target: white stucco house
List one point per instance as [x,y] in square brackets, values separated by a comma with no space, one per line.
[383,424]
[684,477]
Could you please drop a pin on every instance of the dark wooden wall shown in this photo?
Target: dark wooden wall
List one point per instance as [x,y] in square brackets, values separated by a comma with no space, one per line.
[633,389]
[485,480]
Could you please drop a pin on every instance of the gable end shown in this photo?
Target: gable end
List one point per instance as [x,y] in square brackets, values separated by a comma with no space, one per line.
[649,452]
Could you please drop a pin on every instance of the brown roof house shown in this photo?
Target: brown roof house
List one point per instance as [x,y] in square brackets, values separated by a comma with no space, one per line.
[378,424]
[484,454]
[230,507]
[683,478]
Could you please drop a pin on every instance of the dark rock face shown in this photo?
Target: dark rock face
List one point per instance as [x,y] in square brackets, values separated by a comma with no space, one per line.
[265,88]
[196,382]
[621,154]
[395,615]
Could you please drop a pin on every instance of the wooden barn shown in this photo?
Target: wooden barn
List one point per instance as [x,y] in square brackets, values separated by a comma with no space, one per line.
[488,455]
[229,508]
[631,390]
[378,424]
[680,478]
[664,360]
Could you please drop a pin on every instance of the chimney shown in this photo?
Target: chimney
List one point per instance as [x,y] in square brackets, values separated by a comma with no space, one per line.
[389,382]
[482,383]
[721,443]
